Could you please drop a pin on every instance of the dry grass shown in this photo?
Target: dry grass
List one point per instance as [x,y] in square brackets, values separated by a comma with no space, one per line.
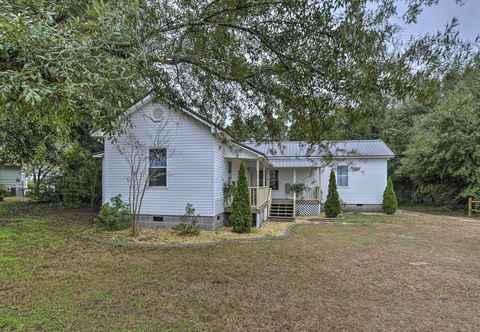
[168,236]
[379,273]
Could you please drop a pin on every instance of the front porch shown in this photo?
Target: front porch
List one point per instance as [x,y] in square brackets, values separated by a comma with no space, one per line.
[260,194]
[296,192]
[275,190]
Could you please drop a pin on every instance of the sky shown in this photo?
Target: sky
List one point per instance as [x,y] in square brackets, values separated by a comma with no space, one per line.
[436,18]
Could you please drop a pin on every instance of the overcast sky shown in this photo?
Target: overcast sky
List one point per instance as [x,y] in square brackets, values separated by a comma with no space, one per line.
[435,18]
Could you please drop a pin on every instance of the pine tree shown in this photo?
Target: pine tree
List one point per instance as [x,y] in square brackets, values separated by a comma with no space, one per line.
[390,203]
[241,217]
[332,205]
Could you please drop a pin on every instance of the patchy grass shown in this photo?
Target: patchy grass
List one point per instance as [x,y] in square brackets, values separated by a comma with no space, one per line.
[169,236]
[394,273]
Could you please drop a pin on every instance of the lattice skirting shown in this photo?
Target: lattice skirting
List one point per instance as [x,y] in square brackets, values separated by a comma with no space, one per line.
[307,208]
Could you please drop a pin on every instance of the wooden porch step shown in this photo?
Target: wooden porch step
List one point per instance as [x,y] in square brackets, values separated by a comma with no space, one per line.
[281,210]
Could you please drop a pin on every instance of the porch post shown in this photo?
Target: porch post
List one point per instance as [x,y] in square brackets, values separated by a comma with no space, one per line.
[294,193]
[264,177]
[258,172]
[319,191]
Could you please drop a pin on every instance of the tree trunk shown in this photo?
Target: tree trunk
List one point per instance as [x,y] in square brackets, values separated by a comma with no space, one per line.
[134,225]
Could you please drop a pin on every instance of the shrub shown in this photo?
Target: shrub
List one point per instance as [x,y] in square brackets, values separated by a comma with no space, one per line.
[115,215]
[241,217]
[43,193]
[3,192]
[188,226]
[390,203]
[333,206]
[296,188]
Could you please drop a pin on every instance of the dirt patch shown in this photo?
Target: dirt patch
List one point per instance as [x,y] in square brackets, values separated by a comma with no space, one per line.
[168,238]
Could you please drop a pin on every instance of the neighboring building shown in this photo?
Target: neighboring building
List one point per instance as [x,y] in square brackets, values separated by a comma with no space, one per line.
[196,162]
[11,178]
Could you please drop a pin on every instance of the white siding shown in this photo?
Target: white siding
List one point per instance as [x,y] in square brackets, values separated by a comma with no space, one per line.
[9,176]
[285,175]
[191,159]
[367,179]
[307,176]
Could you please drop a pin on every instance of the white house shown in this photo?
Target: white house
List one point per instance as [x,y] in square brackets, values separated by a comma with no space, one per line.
[11,179]
[190,160]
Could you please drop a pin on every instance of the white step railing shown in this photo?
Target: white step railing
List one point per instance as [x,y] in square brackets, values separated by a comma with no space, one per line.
[259,196]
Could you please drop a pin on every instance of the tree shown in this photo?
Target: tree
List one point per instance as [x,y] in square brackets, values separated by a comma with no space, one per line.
[76,61]
[78,183]
[65,62]
[390,203]
[241,217]
[443,158]
[135,147]
[332,205]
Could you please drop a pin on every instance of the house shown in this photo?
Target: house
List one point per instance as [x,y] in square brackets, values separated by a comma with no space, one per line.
[191,160]
[11,179]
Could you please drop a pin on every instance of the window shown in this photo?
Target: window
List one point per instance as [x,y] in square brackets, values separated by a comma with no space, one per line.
[158,168]
[274,179]
[260,178]
[342,176]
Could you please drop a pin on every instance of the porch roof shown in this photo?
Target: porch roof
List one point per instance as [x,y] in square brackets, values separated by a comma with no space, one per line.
[328,149]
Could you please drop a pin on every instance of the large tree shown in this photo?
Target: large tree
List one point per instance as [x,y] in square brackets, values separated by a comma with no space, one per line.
[294,60]
[67,62]
[442,157]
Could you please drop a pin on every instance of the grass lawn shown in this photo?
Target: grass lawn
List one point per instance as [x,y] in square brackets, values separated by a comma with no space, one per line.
[406,272]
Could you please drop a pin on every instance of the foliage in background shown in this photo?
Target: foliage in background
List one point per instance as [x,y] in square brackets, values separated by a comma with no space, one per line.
[3,192]
[332,206]
[78,183]
[189,224]
[442,157]
[228,192]
[390,203]
[115,214]
[75,180]
[241,216]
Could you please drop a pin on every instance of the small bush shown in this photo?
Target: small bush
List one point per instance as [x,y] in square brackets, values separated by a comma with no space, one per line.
[115,215]
[333,206]
[188,226]
[3,192]
[241,217]
[390,203]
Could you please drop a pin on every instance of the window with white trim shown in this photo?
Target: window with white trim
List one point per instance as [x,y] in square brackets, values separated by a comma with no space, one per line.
[158,168]
[342,176]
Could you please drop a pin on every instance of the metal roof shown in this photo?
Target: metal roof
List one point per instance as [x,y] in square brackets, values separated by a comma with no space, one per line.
[335,149]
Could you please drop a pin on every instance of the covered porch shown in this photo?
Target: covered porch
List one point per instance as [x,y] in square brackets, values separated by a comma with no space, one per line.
[296,191]
[257,173]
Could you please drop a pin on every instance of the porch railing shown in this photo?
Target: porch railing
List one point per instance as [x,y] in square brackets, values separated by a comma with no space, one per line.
[308,194]
[259,196]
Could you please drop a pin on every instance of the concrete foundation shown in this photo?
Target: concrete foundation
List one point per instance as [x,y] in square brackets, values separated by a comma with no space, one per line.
[158,221]
[363,208]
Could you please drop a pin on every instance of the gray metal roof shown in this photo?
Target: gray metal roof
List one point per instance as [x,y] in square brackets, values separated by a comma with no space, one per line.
[353,148]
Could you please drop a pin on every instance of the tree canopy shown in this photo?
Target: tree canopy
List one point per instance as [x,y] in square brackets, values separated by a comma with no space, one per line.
[290,61]
[442,156]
